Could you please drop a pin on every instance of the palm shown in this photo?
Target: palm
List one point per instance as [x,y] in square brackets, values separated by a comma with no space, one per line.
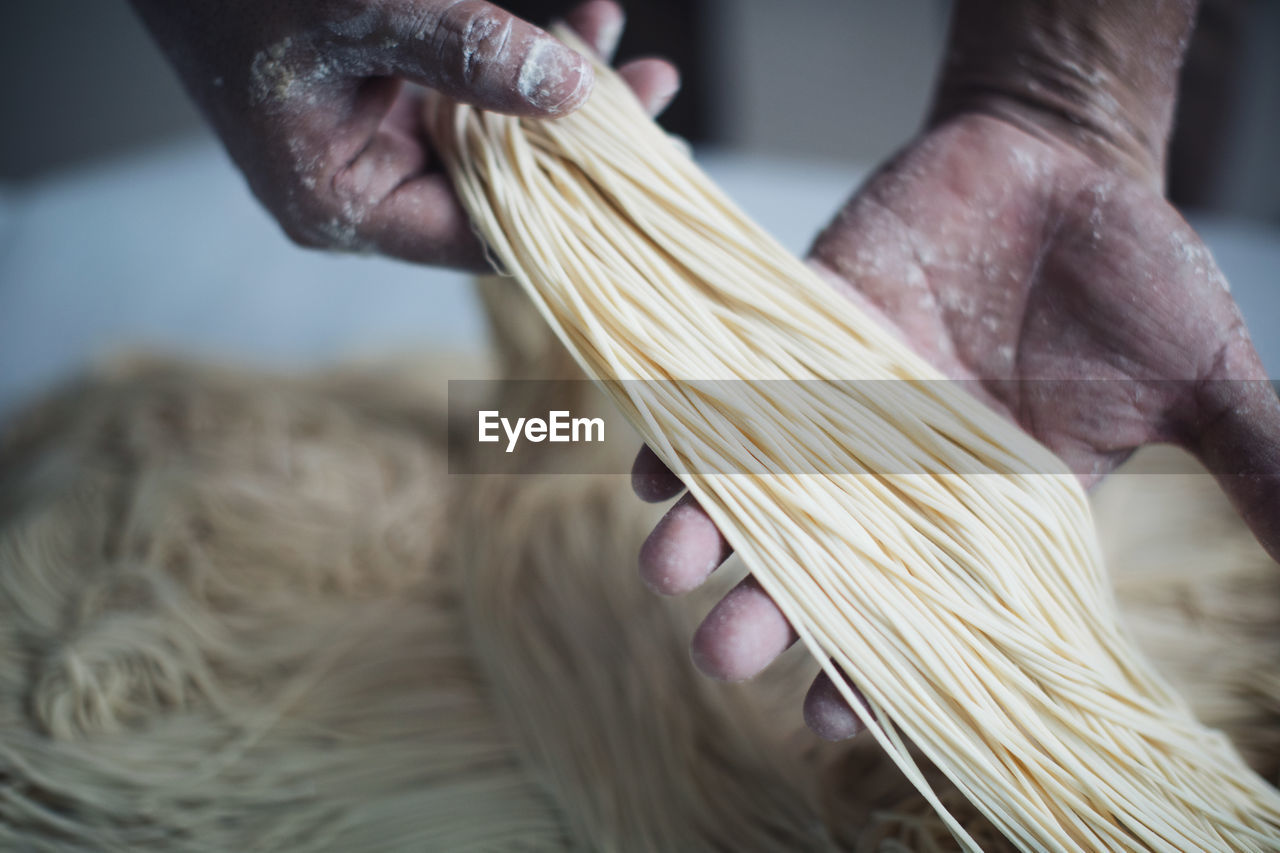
[1005,258]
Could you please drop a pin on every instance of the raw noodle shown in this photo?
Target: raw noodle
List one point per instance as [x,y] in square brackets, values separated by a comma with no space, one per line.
[971,610]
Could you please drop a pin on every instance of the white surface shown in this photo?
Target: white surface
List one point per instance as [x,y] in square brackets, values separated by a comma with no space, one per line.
[169,251]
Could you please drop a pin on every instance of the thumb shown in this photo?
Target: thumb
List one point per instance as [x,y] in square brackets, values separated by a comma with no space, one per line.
[1238,440]
[471,51]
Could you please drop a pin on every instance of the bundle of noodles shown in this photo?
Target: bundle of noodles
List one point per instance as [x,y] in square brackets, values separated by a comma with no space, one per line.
[971,610]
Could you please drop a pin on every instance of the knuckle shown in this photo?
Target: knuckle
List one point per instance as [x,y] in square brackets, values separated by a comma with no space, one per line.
[484,41]
[301,237]
[310,195]
[298,224]
[473,37]
[314,222]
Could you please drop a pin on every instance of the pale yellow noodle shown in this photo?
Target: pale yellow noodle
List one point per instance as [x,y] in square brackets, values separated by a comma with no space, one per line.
[972,611]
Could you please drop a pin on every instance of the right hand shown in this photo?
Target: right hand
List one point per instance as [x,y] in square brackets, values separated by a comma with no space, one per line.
[310,100]
[1022,243]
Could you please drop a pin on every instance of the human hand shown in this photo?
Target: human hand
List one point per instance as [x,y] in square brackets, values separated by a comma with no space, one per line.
[1046,267]
[311,101]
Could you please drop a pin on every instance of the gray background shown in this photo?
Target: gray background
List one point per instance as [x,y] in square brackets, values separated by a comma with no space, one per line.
[843,80]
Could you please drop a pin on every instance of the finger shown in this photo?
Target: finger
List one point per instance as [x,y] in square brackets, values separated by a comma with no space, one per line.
[360,163]
[655,82]
[827,713]
[651,479]
[472,51]
[420,219]
[683,550]
[364,183]
[599,23]
[1238,440]
[742,634]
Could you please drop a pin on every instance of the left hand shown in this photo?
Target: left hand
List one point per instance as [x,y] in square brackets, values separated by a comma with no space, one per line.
[319,105]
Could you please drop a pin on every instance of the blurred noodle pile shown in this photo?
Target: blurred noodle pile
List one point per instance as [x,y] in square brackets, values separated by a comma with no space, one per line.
[252,612]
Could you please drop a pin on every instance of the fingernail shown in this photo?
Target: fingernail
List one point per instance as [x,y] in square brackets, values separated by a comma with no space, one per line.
[553,77]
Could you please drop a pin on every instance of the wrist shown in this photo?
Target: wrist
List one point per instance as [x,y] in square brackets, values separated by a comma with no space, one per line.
[1100,77]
